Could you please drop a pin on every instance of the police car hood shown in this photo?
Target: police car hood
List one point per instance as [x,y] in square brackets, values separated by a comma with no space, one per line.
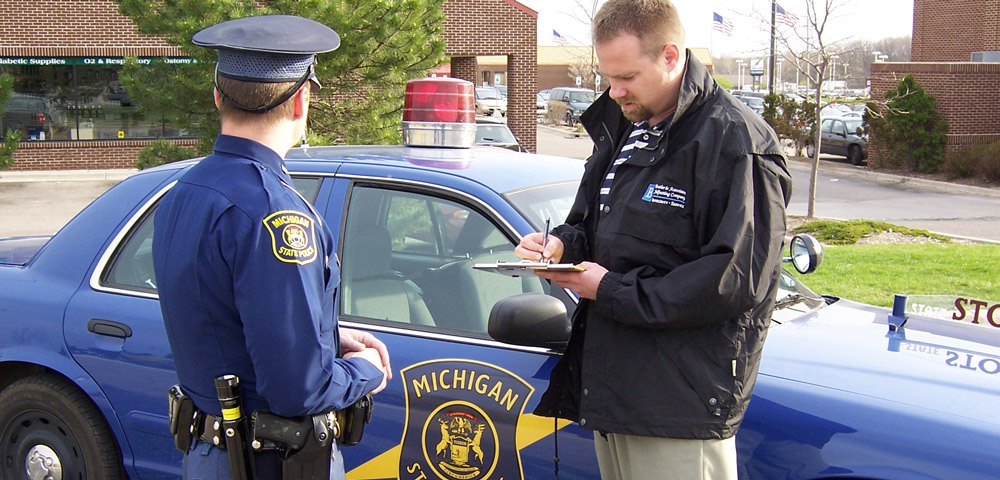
[938,365]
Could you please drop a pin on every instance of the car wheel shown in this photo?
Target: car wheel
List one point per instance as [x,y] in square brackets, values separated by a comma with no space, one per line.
[50,429]
[854,155]
[810,150]
[569,119]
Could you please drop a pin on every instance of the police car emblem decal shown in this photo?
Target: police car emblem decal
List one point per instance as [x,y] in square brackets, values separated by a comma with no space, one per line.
[293,236]
[461,421]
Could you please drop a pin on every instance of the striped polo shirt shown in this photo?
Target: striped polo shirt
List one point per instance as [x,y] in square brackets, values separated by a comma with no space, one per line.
[634,141]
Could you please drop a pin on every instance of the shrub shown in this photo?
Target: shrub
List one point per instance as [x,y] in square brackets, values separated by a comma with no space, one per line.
[911,130]
[790,120]
[161,152]
[556,113]
[980,160]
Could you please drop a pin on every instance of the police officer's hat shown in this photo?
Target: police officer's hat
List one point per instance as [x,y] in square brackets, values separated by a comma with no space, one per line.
[267,49]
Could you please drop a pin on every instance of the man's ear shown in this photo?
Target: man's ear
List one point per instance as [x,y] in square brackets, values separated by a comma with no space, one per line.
[301,102]
[671,55]
[217,97]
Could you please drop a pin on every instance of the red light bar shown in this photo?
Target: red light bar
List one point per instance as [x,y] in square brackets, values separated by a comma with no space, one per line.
[439,112]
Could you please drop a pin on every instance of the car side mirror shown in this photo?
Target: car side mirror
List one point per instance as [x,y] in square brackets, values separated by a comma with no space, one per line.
[530,319]
[805,253]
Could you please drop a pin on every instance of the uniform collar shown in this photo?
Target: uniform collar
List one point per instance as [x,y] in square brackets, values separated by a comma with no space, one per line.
[251,150]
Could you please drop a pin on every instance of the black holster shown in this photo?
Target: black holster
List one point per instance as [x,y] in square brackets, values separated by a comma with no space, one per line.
[306,445]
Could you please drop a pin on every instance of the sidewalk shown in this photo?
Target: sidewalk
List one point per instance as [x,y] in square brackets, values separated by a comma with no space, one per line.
[26,176]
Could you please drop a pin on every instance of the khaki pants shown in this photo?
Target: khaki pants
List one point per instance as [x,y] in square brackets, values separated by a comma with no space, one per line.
[631,457]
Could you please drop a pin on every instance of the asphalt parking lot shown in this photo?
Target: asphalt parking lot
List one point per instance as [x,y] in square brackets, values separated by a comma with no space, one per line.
[39,203]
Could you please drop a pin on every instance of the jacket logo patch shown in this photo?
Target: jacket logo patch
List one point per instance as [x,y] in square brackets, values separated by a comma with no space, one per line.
[665,195]
[461,421]
[293,236]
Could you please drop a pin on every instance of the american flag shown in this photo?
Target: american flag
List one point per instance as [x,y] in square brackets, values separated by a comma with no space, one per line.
[783,17]
[721,24]
[559,38]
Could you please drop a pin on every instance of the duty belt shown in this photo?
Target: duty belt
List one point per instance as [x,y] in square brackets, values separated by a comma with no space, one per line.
[269,432]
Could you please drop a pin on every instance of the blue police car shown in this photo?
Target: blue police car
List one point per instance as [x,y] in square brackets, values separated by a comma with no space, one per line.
[845,390]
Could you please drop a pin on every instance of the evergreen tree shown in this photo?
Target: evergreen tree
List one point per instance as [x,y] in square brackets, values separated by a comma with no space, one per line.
[10,137]
[384,43]
[911,130]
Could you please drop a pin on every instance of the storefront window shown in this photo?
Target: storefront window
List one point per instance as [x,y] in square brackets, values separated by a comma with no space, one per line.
[78,98]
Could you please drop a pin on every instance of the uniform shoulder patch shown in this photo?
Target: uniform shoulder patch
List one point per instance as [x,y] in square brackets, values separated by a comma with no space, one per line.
[293,236]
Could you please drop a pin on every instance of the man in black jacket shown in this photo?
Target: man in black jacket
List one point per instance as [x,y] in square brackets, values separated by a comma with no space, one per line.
[679,222]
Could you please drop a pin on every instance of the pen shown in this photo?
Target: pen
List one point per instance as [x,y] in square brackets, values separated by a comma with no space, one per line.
[545,238]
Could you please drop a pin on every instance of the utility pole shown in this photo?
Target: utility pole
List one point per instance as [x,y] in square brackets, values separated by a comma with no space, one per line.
[770,68]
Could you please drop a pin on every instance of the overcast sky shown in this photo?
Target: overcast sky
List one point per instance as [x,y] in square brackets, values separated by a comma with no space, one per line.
[851,19]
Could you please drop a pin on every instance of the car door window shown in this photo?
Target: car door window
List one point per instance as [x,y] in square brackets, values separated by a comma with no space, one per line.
[131,266]
[840,129]
[827,126]
[408,260]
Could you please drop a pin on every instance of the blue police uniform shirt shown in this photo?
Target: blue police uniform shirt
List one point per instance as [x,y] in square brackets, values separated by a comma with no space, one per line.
[247,278]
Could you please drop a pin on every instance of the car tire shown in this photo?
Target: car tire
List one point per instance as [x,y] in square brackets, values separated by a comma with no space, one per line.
[46,424]
[810,150]
[854,155]
[569,119]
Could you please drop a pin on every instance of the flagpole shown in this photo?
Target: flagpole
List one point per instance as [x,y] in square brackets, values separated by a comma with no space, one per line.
[770,69]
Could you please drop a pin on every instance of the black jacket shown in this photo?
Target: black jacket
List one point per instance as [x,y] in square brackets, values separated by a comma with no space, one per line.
[692,237]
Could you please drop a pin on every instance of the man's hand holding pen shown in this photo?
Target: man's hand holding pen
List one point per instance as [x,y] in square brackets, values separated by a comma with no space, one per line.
[540,247]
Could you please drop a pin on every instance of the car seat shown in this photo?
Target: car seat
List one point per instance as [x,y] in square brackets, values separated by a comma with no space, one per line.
[370,288]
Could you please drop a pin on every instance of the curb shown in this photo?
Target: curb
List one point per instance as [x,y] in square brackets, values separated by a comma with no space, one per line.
[900,180]
[25,176]
[571,134]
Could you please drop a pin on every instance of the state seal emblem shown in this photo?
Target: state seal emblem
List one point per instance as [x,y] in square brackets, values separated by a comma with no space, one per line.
[461,421]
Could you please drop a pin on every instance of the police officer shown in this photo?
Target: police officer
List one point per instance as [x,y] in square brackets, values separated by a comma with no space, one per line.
[245,267]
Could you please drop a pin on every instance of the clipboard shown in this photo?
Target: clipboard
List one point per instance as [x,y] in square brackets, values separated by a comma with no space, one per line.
[524,267]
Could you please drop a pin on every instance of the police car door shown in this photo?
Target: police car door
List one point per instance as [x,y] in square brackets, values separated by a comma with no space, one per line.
[459,404]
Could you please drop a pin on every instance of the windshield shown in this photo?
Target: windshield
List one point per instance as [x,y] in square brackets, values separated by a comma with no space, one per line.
[540,202]
[853,126]
[487,94]
[494,134]
[582,96]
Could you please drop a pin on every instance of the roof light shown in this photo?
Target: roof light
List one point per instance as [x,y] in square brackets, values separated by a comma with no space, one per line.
[439,112]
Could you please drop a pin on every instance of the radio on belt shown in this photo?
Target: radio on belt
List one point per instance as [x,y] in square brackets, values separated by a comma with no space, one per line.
[439,112]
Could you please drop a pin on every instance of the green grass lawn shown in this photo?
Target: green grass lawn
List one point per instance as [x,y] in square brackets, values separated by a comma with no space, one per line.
[872,274]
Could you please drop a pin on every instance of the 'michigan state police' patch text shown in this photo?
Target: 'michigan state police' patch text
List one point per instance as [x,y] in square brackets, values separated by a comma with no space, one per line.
[293,236]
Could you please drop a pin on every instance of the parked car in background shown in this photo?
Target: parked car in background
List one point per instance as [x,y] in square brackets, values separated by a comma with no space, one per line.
[755,103]
[489,100]
[502,89]
[575,101]
[844,137]
[834,110]
[32,115]
[541,104]
[494,132]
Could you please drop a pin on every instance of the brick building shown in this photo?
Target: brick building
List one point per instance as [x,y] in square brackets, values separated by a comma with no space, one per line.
[65,55]
[945,35]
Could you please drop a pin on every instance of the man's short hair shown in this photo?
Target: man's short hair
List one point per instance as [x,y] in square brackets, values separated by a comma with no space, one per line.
[655,22]
[255,93]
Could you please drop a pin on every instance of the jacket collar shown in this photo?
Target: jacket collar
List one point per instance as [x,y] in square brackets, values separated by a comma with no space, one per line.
[696,87]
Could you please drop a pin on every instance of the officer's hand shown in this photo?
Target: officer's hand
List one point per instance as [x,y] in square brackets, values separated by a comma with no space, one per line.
[373,357]
[530,248]
[356,340]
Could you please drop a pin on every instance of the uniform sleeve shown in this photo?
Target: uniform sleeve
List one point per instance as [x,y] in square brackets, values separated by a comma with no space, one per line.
[286,308]
[734,268]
